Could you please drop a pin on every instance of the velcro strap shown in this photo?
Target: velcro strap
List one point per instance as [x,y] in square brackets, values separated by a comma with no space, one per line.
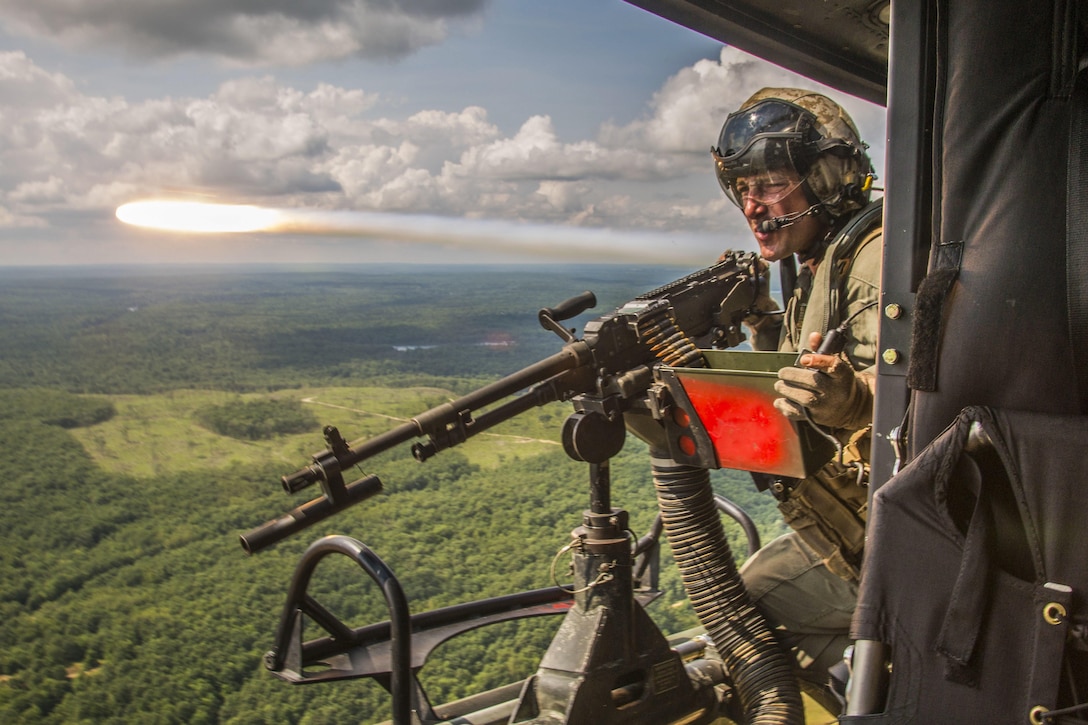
[967,607]
[929,304]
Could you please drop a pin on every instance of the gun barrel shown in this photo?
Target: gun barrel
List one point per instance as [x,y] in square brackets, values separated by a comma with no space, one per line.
[540,394]
[308,514]
[359,451]
[571,356]
[437,420]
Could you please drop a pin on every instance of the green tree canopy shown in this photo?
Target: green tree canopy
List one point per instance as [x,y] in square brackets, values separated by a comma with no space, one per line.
[255,420]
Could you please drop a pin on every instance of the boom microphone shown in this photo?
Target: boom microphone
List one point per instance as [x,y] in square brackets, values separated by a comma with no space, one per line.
[775,223]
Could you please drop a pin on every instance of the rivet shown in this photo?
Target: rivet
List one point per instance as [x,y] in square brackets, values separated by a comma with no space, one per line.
[890,356]
[893,311]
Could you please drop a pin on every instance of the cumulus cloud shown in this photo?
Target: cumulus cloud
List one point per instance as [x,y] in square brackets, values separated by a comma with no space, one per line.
[257,140]
[24,83]
[686,114]
[273,32]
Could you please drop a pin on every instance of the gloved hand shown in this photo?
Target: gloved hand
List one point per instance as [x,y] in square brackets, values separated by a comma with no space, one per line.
[834,394]
[763,302]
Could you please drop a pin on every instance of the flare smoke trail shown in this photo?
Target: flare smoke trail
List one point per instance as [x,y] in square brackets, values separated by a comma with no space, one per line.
[551,241]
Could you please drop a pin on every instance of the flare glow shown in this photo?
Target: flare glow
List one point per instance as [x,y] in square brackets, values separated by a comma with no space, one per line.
[196,216]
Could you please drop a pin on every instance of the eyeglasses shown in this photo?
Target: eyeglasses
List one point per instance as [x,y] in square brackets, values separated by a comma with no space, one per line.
[767,187]
[764,191]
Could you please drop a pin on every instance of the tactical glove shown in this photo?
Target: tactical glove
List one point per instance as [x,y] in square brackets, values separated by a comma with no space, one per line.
[835,396]
[763,327]
[763,303]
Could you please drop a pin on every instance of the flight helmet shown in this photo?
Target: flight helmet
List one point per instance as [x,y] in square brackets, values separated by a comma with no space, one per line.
[779,130]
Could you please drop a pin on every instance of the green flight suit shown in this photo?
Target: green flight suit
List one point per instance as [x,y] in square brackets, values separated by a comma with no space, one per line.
[809,604]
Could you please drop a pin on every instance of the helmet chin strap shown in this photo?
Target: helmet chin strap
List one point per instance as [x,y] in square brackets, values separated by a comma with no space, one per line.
[815,251]
[775,223]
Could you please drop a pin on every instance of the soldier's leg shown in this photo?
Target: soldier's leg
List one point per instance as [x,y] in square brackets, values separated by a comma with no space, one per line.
[809,607]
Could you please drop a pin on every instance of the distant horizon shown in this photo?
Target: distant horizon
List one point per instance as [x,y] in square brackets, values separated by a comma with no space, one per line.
[608,270]
[334,265]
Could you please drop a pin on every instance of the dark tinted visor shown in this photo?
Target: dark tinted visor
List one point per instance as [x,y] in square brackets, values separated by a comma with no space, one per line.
[760,145]
[767,119]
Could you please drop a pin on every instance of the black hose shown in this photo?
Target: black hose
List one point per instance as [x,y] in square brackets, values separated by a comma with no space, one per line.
[735,512]
[760,669]
[757,664]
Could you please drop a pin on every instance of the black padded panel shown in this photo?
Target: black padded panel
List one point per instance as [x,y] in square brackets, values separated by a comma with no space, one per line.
[1002,173]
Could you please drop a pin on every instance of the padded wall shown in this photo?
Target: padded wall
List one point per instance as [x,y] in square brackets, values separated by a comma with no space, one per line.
[1002,145]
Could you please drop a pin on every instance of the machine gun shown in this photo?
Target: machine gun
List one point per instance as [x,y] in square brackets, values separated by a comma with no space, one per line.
[608,663]
[613,362]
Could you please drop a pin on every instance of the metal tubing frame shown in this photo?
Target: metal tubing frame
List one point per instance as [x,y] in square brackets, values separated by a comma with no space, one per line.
[299,602]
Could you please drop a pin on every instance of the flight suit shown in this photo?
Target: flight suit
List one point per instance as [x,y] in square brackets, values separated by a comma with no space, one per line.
[810,595]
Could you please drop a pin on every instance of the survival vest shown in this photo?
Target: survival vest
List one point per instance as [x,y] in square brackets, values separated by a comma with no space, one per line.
[828,509]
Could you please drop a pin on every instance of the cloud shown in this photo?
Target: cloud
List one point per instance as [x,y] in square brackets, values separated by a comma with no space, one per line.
[257,140]
[273,32]
[686,114]
[694,102]
[24,83]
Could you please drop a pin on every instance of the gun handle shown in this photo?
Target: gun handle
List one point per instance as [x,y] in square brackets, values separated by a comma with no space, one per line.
[550,317]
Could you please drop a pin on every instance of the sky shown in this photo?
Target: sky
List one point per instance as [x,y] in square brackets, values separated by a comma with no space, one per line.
[429,130]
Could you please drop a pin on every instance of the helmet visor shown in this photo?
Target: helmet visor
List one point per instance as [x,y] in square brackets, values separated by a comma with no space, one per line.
[760,146]
[772,118]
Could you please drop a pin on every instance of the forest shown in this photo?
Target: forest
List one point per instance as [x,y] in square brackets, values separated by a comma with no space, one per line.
[148,413]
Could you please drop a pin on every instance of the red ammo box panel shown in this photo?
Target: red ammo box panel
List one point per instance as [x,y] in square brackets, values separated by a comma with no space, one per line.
[736,407]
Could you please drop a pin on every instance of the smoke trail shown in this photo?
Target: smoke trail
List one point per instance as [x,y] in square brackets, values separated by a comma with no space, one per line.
[552,241]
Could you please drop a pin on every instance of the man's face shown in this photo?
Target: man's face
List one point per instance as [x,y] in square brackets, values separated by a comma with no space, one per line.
[774,195]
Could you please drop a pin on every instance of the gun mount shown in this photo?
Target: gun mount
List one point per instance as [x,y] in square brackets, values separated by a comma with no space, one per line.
[608,662]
